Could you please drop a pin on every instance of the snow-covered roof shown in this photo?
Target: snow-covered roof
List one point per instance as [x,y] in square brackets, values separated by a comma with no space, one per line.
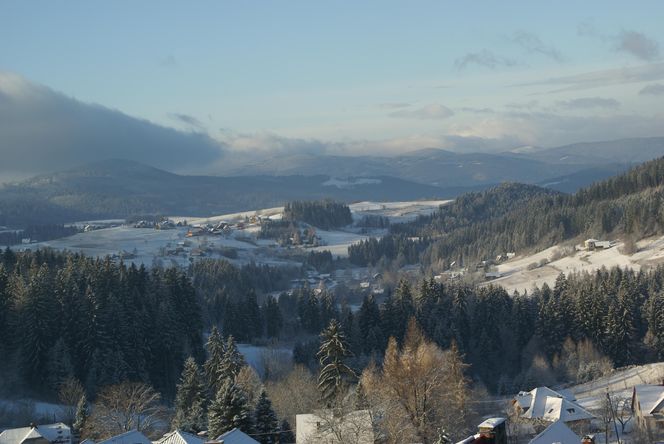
[561,409]
[556,433]
[236,436]
[58,433]
[180,437]
[130,437]
[650,398]
[544,403]
[313,428]
[491,423]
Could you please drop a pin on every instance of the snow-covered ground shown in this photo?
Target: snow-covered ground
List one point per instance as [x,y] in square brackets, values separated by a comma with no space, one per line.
[337,241]
[396,211]
[258,357]
[272,213]
[40,410]
[147,246]
[517,276]
[619,383]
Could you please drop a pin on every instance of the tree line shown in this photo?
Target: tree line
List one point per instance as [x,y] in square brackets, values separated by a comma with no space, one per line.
[325,214]
[38,233]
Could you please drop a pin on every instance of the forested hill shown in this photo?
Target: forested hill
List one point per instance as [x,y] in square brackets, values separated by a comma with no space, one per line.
[515,217]
[472,207]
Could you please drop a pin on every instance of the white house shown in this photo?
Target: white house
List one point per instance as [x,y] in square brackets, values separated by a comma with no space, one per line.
[648,407]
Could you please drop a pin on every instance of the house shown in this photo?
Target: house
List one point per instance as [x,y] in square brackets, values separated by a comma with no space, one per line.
[236,436]
[557,433]
[648,407]
[592,244]
[130,437]
[328,427]
[542,403]
[491,431]
[58,433]
[180,437]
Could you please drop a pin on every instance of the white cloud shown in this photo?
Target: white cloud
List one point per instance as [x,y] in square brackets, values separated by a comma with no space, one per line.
[637,44]
[589,102]
[533,45]
[431,111]
[607,77]
[484,58]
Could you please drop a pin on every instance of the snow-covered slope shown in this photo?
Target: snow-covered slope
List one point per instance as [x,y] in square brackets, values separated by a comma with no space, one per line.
[521,274]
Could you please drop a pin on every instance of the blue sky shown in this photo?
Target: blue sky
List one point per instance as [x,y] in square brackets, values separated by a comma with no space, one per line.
[377,76]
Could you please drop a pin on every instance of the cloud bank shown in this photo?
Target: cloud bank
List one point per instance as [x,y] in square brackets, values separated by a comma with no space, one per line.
[43,130]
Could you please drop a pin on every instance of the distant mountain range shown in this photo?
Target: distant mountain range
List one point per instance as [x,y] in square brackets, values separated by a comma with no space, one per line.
[569,165]
[120,188]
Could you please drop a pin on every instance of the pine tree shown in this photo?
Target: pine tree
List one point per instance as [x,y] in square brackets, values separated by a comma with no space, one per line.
[334,373]
[286,435]
[82,413]
[267,426]
[232,361]
[190,400]
[229,410]
[213,364]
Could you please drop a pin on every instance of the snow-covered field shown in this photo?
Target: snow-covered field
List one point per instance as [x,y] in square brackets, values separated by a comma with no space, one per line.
[147,246]
[517,276]
[396,211]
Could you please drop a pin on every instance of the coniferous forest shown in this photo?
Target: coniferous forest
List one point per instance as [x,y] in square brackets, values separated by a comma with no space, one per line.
[66,315]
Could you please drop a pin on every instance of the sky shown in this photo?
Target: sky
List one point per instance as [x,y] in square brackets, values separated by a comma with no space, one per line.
[186,83]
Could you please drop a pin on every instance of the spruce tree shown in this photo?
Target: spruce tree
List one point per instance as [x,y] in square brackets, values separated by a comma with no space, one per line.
[213,364]
[334,373]
[267,426]
[190,400]
[229,410]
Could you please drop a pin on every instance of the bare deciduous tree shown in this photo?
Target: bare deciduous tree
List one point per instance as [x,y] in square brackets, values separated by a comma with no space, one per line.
[69,393]
[127,406]
[296,393]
